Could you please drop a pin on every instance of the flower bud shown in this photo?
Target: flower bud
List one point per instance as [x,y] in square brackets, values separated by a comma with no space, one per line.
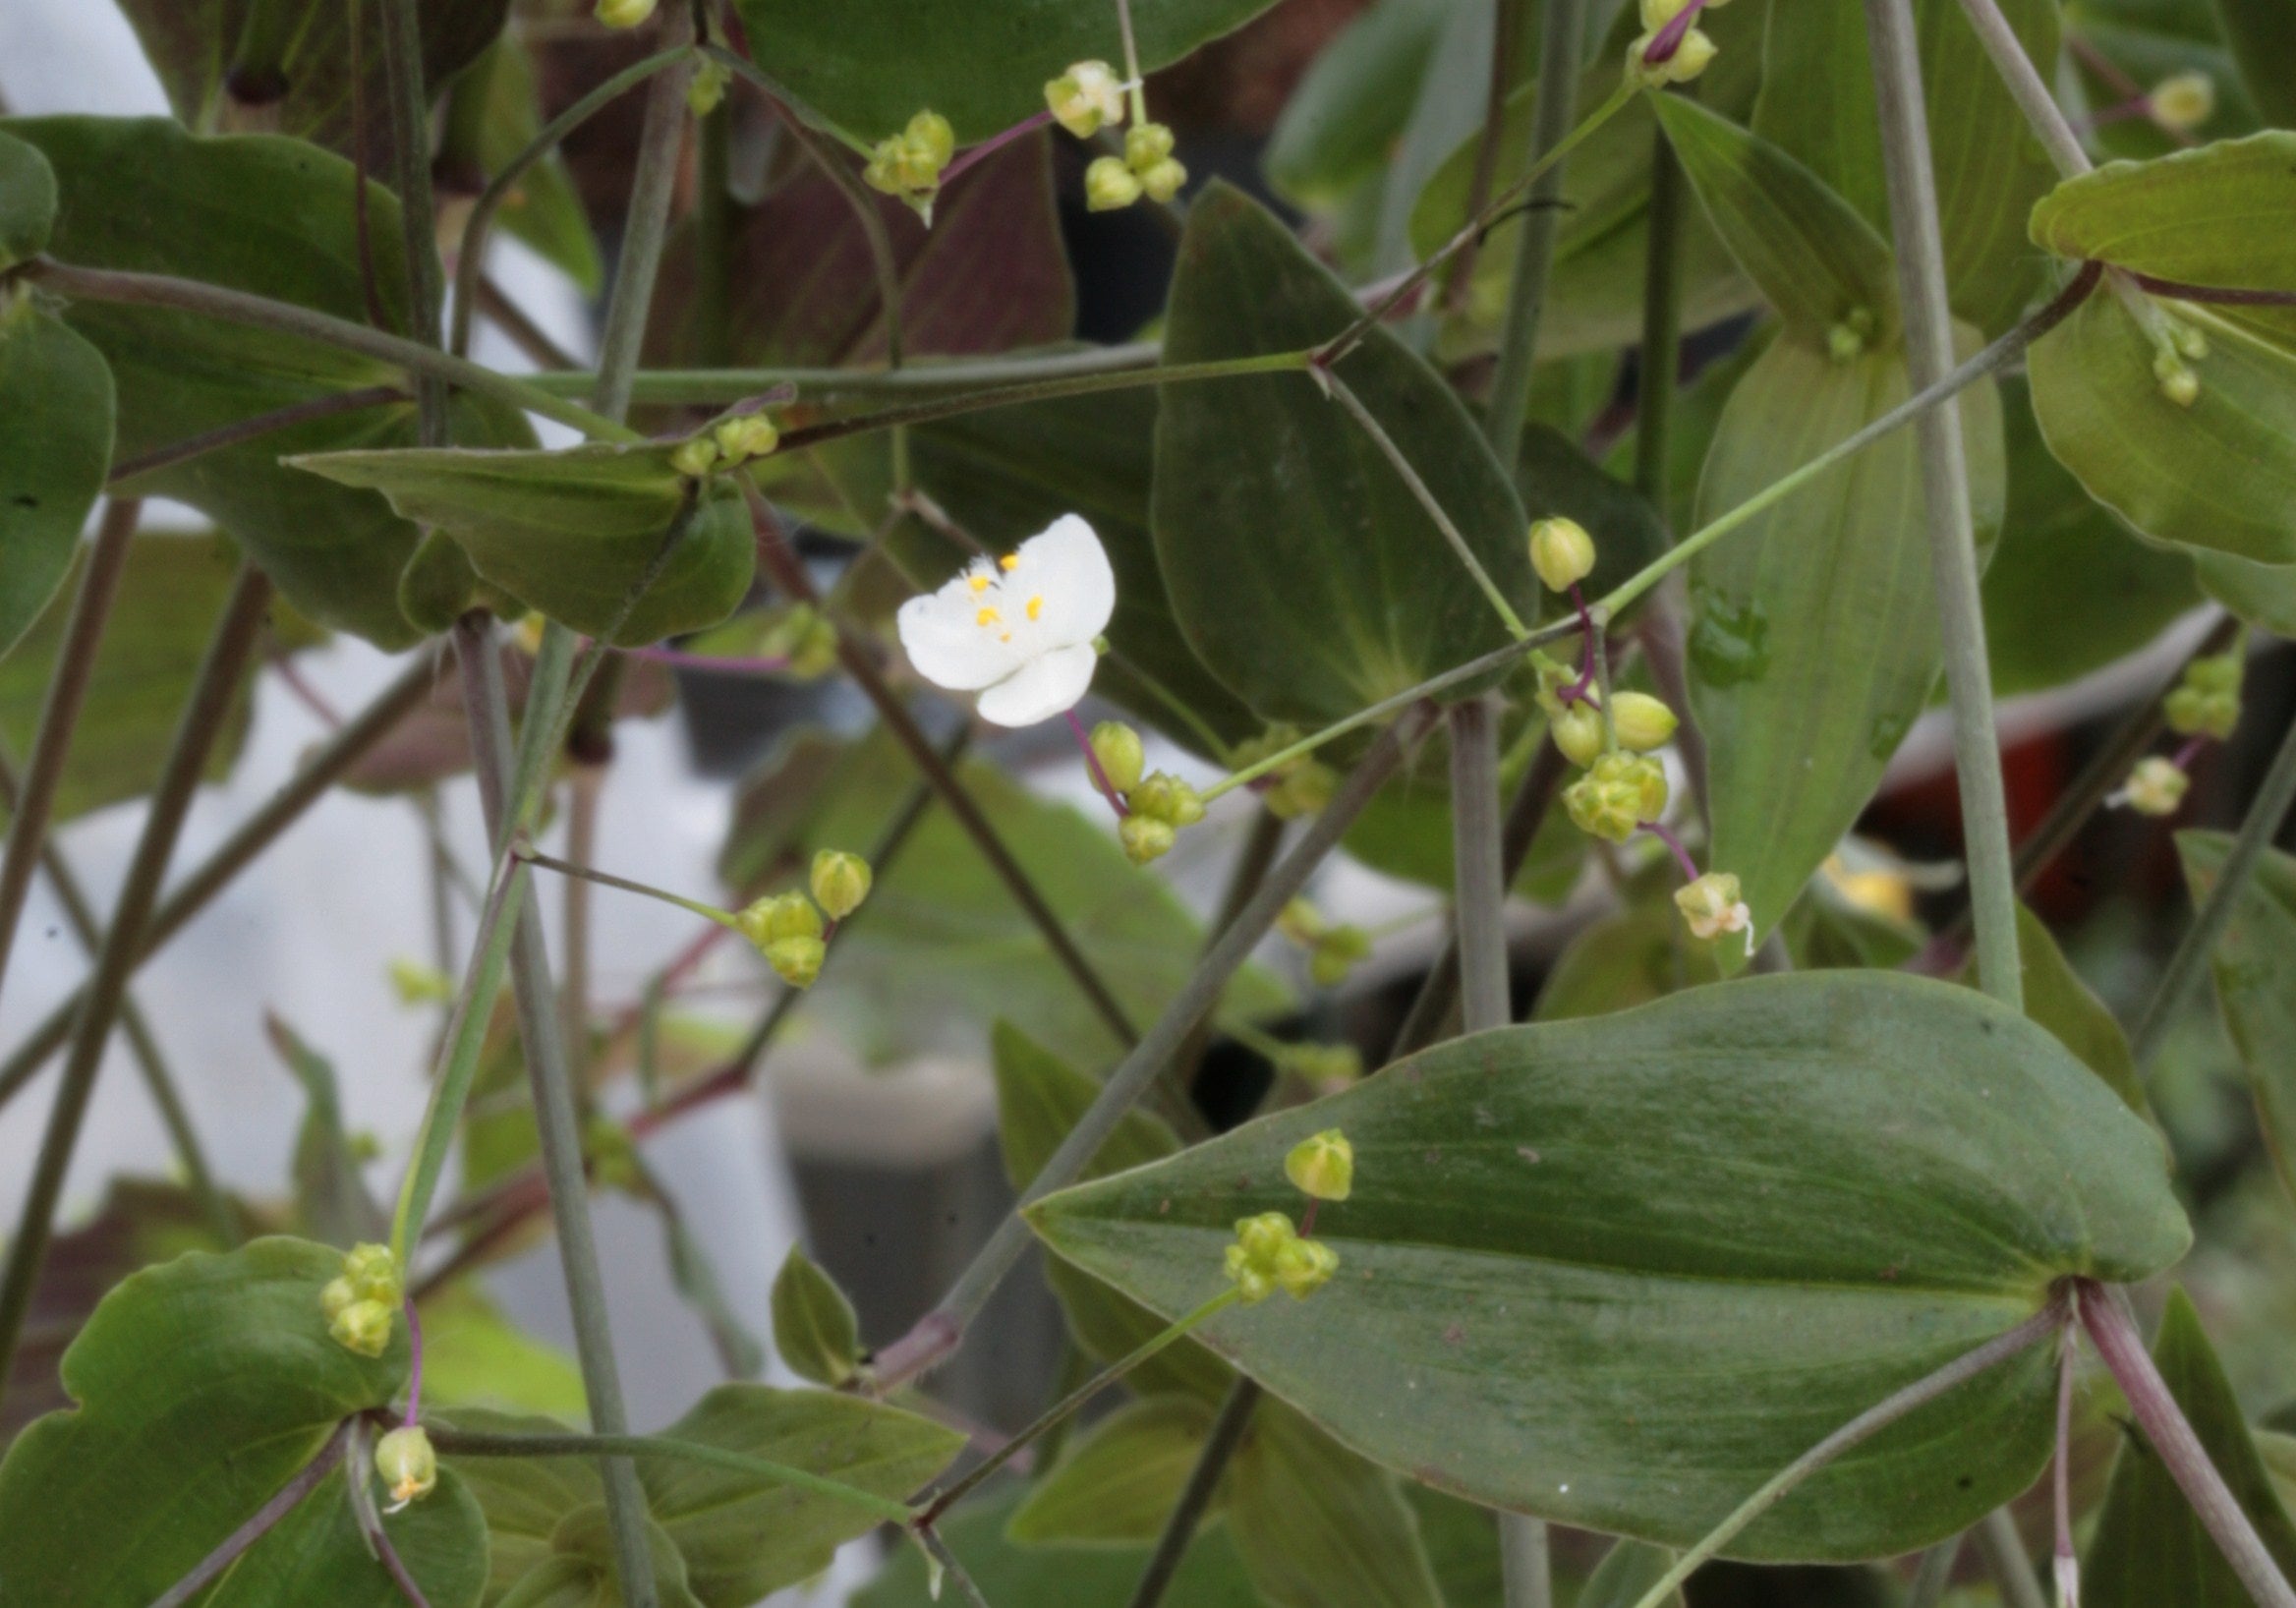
[1307,787]
[1618,794]
[1578,733]
[362,1327]
[2156,787]
[841,882]
[1304,1267]
[1710,906]
[1301,922]
[1163,797]
[909,164]
[1562,552]
[373,1272]
[337,1295]
[778,916]
[930,138]
[1657,14]
[2207,701]
[1146,145]
[1269,1255]
[624,12]
[1163,180]
[1642,721]
[746,436]
[1328,1065]
[1844,344]
[1334,954]
[417,984]
[796,960]
[1145,837]
[1110,186]
[2183,100]
[1322,1166]
[408,1465]
[695,458]
[705,89]
[1692,55]
[2177,383]
[1117,746]
[1086,98]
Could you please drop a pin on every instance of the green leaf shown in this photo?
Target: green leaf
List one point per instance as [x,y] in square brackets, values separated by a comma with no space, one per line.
[1317,1525]
[1117,1483]
[581,1571]
[524,1499]
[2254,982]
[1299,565]
[1016,1577]
[2199,218]
[2264,595]
[1816,260]
[1814,634]
[1738,1218]
[2149,1548]
[2262,35]
[1627,1571]
[329,1192]
[868,65]
[318,1555]
[1631,957]
[944,951]
[2057,999]
[544,211]
[274,218]
[203,1386]
[54,454]
[28,201]
[2069,589]
[1340,125]
[574,532]
[2219,476]
[476,1357]
[815,1330]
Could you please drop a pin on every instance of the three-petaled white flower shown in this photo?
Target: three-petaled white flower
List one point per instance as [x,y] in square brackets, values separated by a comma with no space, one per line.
[1019,630]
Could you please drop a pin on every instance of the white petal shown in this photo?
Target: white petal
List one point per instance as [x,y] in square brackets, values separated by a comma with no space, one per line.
[945,640]
[1066,566]
[1041,688]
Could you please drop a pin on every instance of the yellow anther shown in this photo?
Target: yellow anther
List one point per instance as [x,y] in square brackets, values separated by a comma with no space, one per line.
[986,617]
[979,584]
[1009,562]
[1036,606]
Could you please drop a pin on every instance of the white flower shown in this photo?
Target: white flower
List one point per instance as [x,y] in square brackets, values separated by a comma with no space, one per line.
[1085,98]
[2156,787]
[1710,906]
[1019,630]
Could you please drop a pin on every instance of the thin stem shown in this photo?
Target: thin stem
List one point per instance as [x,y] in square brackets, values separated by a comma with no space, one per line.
[410,111]
[2257,830]
[618,1447]
[1345,397]
[605,879]
[581,788]
[2026,87]
[2117,1341]
[1681,856]
[33,803]
[472,261]
[1961,616]
[1561,24]
[2003,1551]
[937,1550]
[719,387]
[1661,350]
[939,1330]
[320,771]
[282,1503]
[660,146]
[207,711]
[1459,278]
[2066,1563]
[413,1410]
[1527,1571]
[1195,1497]
[1133,75]
[1992,1355]
[253,429]
[1934,1573]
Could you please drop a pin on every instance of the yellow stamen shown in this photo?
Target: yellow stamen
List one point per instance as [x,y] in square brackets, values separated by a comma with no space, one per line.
[1009,562]
[986,617]
[1036,606]
[978,583]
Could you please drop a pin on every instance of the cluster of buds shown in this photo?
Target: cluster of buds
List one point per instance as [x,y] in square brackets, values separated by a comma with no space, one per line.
[1269,1255]
[1846,340]
[1332,949]
[1299,786]
[1692,53]
[407,1465]
[1157,806]
[788,928]
[2175,346]
[726,445]
[1146,168]
[2206,700]
[909,164]
[1618,793]
[362,1302]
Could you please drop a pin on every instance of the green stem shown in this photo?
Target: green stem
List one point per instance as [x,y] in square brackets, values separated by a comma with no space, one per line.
[721,387]
[283,1502]
[1561,24]
[1934,1573]
[1068,1405]
[1195,1497]
[660,148]
[1992,1355]
[1662,351]
[207,711]
[2003,1550]
[1343,394]
[2258,828]
[1953,554]
[466,1443]
[33,803]
[251,429]
[939,1330]
[937,1550]
[590,874]
[319,772]
[410,110]
[2026,87]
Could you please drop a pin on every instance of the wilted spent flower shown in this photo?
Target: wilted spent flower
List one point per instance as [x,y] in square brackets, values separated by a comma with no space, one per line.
[1711,906]
[1562,552]
[841,882]
[909,164]
[1086,98]
[1618,794]
[2156,787]
[407,1463]
[1322,1166]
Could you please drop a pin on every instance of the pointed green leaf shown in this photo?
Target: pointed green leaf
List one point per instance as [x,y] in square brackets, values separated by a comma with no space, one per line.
[2264,595]
[1116,1483]
[2255,963]
[2150,1550]
[581,1571]
[1814,634]
[524,1499]
[2057,999]
[2212,216]
[1300,567]
[575,532]
[815,1330]
[1816,260]
[1018,1577]
[1340,123]
[318,1555]
[1319,1526]
[203,1386]
[867,65]
[55,451]
[28,201]
[1729,1221]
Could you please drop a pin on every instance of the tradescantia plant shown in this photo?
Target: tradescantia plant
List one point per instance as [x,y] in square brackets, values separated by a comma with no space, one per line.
[1591,445]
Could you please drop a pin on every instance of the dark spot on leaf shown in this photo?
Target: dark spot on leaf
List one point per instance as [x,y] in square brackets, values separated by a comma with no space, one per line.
[1453,1334]
[1965,1481]
[25,499]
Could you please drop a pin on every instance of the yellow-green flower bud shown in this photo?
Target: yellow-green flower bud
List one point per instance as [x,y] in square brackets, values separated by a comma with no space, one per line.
[2207,703]
[337,1295]
[1086,98]
[746,436]
[909,164]
[695,458]
[624,12]
[796,960]
[1844,344]
[2177,383]
[362,1327]
[1167,798]
[809,642]
[373,1272]
[1578,733]
[2156,787]
[1146,145]
[1657,14]
[2183,100]
[408,1465]
[1711,906]
[1617,795]
[1301,922]
[1163,180]
[417,984]
[778,916]
[705,89]
[841,882]
[930,138]
[1334,954]
[1110,186]
[1269,1255]
[1322,1166]
[1304,1267]
[1642,721]
[1562,552]
[1331,1065]
[1145,837]
[1117,746]
[1307,787]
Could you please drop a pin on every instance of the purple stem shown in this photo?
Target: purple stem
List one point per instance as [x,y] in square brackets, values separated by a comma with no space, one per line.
[414,1365]
[2212,293]
[1577,689]
[270,1513]
[1671,36]
[2117,1341]
[1307,1218]
[400,1575]
[765,665]
[1681,856]
[2192,750]
[2067,1565]
[1100,780]
[991,145]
